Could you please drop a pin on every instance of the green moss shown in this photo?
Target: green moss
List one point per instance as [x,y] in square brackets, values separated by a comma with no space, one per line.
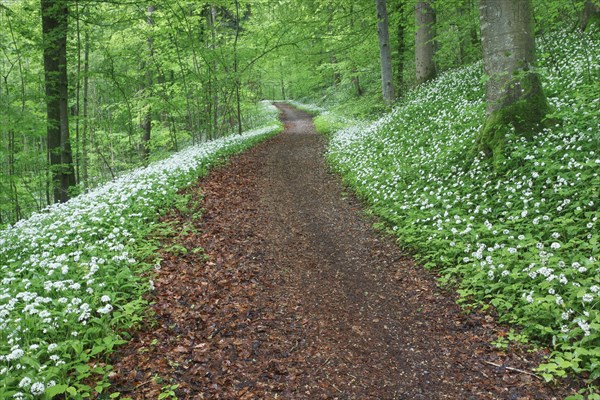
[525,114]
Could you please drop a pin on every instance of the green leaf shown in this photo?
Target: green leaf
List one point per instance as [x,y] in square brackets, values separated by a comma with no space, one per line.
[575,397]
[97,350]
[548,377]
[55,390]
[82,368]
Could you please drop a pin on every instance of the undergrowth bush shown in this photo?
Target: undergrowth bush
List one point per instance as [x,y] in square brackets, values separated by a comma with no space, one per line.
[523,237]
[72,276]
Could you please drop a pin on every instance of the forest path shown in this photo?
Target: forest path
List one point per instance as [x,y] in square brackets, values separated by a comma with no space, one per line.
[297,297]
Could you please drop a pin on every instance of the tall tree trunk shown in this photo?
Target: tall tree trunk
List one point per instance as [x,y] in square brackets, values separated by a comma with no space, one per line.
[475,42]
[424,42]
[236,69]
[54,32]
[11,131]
[186,89]
[463,38]
[12,175]
[401,47]
[336,78]
[147,123]
[385,55]
[86,85]
[14,193]
[282,83]
[212,77]
[77,98]
[514,94]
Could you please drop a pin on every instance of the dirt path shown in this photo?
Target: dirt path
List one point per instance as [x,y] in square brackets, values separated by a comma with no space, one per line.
[301,299]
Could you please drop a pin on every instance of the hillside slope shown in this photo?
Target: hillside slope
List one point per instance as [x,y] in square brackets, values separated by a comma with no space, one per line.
[522,237]
[73,277]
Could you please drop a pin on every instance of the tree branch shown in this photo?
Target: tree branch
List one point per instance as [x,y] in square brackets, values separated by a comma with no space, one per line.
[513,369]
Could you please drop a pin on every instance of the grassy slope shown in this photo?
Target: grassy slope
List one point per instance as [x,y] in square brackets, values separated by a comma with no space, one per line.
[71,278]
[523,238]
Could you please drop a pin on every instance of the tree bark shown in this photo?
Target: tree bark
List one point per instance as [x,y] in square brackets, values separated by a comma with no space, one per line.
[387,82]
[424,42]
[12,175]
[590,14]
[86,85]
[77,107]
[14,193]
[147,123]
[282,83]
[54,33]
[401,48]
[11,132]
[235,68]
[212,19]
[463,42]
[356,81]
[514,95]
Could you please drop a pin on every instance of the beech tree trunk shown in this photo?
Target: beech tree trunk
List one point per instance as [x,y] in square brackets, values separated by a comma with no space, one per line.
[514,94]
[77,107]
[236,69]
[14,193]
[54,33]
[387,82]
[463,42]
[147,123]
[401,48]
[424,42]
[215,104]
[86,85]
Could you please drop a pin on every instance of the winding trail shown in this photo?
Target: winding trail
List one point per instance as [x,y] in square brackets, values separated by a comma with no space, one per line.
[296,296]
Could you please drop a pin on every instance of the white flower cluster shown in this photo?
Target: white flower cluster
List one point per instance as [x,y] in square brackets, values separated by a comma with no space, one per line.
[531,230]
[72,264]
[313,108]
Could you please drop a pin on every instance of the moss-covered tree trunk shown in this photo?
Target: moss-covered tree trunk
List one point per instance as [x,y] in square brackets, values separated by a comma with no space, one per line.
[514,94]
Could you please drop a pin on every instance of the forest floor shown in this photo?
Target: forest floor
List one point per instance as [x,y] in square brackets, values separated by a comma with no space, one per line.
[296,296]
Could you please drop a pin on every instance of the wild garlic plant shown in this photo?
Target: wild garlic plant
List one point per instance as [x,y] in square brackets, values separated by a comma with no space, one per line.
[71,276]
[523,236]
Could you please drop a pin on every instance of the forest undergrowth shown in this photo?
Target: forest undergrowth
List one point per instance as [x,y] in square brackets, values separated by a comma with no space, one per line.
[73,276]
[522,237]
